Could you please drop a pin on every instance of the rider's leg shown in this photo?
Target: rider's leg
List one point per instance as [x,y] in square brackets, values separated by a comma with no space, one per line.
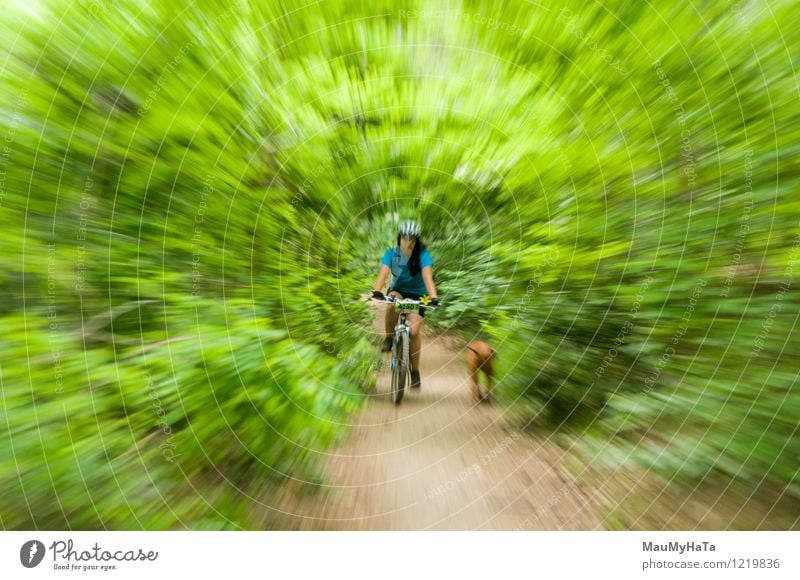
[415,321]
[390,321]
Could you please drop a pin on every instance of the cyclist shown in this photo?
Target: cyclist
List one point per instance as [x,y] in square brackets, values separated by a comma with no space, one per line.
[411,266]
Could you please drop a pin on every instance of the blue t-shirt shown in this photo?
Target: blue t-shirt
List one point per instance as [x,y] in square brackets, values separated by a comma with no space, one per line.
[402,280]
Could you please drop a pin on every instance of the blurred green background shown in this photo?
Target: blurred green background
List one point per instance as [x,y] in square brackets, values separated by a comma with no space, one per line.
[193,197]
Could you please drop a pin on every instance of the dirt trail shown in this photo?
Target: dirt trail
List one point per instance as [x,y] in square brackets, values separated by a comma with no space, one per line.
[440,462]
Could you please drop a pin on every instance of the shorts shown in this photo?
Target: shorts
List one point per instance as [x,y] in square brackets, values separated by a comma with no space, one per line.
[411,295]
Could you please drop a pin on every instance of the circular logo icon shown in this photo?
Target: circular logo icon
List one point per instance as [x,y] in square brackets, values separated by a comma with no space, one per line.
[31,553]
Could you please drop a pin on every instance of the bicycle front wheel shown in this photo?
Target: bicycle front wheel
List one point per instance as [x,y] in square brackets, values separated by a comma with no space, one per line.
[400,370]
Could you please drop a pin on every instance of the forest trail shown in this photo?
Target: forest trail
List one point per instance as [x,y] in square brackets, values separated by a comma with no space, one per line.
[440,462]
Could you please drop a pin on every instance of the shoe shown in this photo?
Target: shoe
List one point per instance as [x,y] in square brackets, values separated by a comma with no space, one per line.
[387,344]
[415,382]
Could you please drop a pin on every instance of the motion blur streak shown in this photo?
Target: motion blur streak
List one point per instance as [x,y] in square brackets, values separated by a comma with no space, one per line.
[193,197]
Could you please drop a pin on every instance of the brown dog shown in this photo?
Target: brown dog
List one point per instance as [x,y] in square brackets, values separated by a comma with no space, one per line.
[479,358]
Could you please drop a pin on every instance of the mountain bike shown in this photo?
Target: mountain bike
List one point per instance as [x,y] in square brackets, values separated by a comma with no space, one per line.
[401,345]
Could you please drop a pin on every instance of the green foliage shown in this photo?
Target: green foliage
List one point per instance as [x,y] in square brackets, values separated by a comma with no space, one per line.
[226,403]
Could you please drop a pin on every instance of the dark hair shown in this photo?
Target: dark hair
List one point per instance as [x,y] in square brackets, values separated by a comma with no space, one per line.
[413,261]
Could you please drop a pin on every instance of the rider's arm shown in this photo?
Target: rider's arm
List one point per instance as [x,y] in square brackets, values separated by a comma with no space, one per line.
[427,276]
[380,283]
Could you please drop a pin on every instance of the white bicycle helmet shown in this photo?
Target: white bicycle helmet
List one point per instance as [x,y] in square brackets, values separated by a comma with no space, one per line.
[409,228]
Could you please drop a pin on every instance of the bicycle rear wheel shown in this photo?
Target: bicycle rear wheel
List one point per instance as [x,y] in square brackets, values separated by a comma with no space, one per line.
[400,370]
